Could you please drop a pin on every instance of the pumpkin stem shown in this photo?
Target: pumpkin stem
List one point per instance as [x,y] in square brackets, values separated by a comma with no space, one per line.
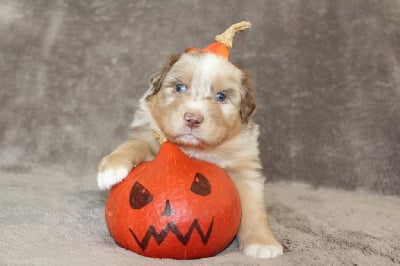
[226,37]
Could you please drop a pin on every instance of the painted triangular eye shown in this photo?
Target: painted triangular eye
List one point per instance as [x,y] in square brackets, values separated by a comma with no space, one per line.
[200,185]
[140,196]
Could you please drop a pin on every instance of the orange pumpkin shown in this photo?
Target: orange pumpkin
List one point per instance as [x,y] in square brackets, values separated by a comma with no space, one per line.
[174,207]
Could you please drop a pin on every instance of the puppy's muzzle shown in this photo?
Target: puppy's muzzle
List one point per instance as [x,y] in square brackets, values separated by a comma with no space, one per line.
[193,120]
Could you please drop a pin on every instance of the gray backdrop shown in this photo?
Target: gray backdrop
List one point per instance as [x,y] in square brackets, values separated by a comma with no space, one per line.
[327,75]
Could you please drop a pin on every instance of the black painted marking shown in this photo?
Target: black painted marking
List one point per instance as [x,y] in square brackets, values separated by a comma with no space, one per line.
[168,210]
[171,227]
[200,185]
[139,196]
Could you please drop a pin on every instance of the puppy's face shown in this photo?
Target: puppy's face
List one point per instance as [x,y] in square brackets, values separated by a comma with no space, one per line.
[200,100]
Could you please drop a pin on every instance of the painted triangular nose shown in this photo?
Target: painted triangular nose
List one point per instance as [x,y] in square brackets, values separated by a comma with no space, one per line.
[168,210]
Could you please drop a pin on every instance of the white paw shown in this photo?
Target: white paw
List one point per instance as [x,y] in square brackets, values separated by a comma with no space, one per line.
[110,177]
[263,251]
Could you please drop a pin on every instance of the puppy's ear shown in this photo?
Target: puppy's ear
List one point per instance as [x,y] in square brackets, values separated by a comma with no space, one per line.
[157,78]
[248,103]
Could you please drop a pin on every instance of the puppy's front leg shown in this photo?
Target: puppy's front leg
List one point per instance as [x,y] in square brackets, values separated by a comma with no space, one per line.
[116,166]
[255,237]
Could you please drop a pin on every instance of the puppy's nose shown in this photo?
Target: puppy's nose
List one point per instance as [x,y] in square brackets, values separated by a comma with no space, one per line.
[193,120]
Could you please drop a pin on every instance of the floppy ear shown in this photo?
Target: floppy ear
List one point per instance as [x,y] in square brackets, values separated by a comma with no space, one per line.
[157,78]
[248,103]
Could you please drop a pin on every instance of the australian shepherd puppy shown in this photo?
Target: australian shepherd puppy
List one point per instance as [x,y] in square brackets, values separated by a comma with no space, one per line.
[204,104]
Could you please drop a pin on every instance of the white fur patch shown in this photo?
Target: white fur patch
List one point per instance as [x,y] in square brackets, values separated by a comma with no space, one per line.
[210,67]
[110,177]
[188,139]
[195,105]
[262,251]
[203,71]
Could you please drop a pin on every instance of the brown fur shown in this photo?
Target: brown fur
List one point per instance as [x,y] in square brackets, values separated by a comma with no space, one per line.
[248,104]
[157,78]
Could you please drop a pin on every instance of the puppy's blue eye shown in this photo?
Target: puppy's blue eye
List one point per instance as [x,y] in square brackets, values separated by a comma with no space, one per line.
[180,88]
[220,97]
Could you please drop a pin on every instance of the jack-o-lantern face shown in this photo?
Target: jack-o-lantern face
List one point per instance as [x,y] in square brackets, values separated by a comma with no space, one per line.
[140,197]
[174,207]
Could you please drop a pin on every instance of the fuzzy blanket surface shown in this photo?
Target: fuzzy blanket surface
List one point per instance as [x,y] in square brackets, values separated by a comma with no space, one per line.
[50,218]
[327,82]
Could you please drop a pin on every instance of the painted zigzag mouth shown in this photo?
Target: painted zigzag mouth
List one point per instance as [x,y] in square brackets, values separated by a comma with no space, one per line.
[171,227]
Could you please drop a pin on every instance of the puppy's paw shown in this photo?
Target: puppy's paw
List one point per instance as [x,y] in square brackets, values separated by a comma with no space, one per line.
[110,177]
[112,170]
[263,251]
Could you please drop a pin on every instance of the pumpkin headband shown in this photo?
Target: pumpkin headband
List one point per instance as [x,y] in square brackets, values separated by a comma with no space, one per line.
[223,41]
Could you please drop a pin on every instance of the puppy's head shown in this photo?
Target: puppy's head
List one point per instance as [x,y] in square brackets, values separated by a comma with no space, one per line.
[200,100]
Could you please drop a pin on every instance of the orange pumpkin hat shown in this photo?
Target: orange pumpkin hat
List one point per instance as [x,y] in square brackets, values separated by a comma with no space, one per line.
[223,41]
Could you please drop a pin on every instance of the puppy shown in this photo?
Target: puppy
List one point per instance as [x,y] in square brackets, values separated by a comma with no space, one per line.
[203,104]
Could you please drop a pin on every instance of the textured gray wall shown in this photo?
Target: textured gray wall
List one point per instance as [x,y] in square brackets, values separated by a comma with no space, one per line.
[327,75]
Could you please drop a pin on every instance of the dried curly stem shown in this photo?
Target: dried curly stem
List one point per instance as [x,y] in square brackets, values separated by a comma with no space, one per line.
[226,37]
